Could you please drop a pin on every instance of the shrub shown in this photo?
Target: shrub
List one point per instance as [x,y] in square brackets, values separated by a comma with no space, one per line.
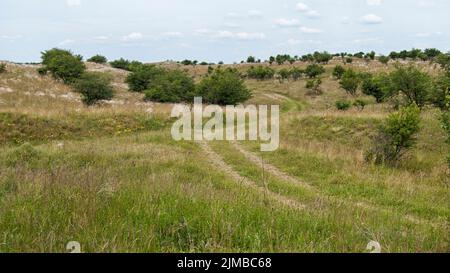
[349,60]
[284,73]
[360,104]
[443,60]
[62,64]
[441,91]
[296,73]
[350,81]
[314,86]
[224,87]
[94,86]
[375,86]
[121,64]
[171,86]
[322,57]
[314,70]
[99,59]
[411,82]
[260,72]
[395,136]
[2,68]
[142,76]
[370,55]
[338,71]
[384,59]
[343,105]
[251,59]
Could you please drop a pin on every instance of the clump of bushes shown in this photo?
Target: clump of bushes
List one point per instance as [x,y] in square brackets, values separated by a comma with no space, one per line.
[2,68]
[99,59]
[384,59]
[260,72]
[360,104]
[313,85]
[170,86]
[343,105]
[62,64]
[143,76]
[322,57]
[338,71]
[223,87]
[375,85]
[395,136]
[94,86]
[125,64]
[314,70]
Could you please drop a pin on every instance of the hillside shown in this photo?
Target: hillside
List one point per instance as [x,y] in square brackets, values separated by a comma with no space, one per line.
[111,177]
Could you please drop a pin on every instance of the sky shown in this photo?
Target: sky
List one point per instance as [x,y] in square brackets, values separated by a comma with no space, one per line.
[218,30]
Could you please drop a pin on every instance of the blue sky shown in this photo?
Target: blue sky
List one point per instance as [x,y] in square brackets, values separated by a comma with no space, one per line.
[218,30]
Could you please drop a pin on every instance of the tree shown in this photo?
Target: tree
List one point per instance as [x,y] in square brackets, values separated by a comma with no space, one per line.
[284,73]
[370,55]
[94,86]
[374,85]
[395,136]
[338,71]
[412,82]
[121,64]
[2,68]
[260,72]
[314,70]
[350,81]
[384,59]
[223,87]
[171,86]
[62,64]
[251,59]
[98,59]
[441,91]
[444,61]
[296,73]
[322,57]
[314,86]
[432,52]
[142,76]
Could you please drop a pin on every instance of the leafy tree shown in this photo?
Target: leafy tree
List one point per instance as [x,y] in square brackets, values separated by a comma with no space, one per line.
[260,72]
[338,72]
[444,61]
[296,73]
[314,70]
[432,52]
[251,59]
[171,86]
[142,76]
[2,68]
[314,86]
[284,73]
[374,85]
[62,64]
[441,91]
[350,81]
[359,55]
[395,136]
[271,59]
[412,82]
[349,60]
[223,87]
[94,86]
[384,59]
[360,104]
[187,62]
[98,59]
[370,55]
[322,57]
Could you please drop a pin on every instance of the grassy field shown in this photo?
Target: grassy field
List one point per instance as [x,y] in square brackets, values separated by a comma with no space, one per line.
[112,178]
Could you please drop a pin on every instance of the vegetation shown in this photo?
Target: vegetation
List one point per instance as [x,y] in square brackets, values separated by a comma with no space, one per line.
[396,136]
[260,72]
[384,59]
[142,77]
[350,81]
[171,86]
[338,71]
[314,70]
[343,105]
[62,64]
[94,86]
[2,68]
[98,59]
[373,85]
[125,64]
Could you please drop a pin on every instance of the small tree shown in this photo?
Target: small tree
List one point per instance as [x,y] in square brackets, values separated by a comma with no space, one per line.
[322,57]
[260,72]
[223,87]
[338,72]
[284,74]
[314,86]
[412,82]
[314,70]
[94,86]
[375,85]
[120,64]
[251,59]
[350,82]
[360,104]
[171,86]
[395,136]
[441,91]
[142,76]
[99,59]
[384,59]
[296,73]
[62,64]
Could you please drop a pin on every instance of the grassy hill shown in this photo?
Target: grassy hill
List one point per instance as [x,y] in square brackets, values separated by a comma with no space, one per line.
[112,178]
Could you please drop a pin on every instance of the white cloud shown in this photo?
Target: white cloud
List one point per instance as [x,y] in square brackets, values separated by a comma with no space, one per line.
[374,2]
[101,38]
[371,19]
[308,30]
[225,34]
[66,42]
[293,42]
[73,3]
[282,22]
[173,34]
[11,37]
[250,36]
[310,13]
[134,36]
[367,40]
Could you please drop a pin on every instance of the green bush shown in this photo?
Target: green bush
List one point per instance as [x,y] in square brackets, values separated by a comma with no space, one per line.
[94,86]
[142,76]
[223,87]
[396,136]
[62,64]
[99,59]
[343,105]
[338,71]
[314,70]
[360,104]
[384,59]
[121,64]
[349,60]
[375,85]
[350,81]
[322,57]
[2,68]
[314,86]
[296,73]
[171,86]
[251,59]
[441,91]
[284,73]
[260,72]
[412,82]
